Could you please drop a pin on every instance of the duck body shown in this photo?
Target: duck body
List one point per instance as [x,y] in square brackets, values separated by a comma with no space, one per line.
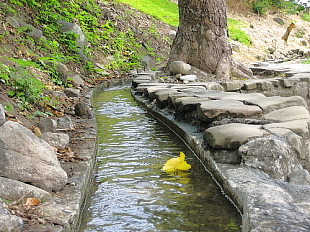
[175,164]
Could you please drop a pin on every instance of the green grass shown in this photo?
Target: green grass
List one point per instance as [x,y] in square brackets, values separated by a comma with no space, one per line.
[168,12]
[163,10]
[236,33]
[305,17]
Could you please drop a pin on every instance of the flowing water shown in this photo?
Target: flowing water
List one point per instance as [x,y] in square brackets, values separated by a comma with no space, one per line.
[132,193]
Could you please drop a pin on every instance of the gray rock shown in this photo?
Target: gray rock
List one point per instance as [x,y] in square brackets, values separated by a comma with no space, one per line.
[35,33]
[231,136]
[190,78]
[2,115]
[82,109]
[146,61]
[14,190]
[199,73]
[72,27]
[71,92]
[271,155]
[82,55]
[58,140]
[271,50]
[266,206]
[163,95]
[213,110]
[63,71]
[288,114]
[47,125]
[16,22]
[301,177]
[77,80]
[299,127]
[269,104]
[217,95]
[39,164]
[232,85]
[59,94]
[179,67]
[185,104]
[65,123]
[172,34]
[9,222]
[279,21]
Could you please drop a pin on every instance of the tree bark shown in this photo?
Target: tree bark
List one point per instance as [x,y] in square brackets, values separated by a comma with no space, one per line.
[202,39]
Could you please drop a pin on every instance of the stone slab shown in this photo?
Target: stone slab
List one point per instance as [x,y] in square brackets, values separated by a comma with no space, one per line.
[269,104]
[183,104]
[288,114]
[299,127]
[231,136]
[212,110]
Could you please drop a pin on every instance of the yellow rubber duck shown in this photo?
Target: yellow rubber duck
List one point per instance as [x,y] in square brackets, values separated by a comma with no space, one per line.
[175,164]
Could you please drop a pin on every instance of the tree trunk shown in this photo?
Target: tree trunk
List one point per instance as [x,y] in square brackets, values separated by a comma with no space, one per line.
[202,39]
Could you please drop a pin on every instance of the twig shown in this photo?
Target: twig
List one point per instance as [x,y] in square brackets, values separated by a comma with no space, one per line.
[20,199]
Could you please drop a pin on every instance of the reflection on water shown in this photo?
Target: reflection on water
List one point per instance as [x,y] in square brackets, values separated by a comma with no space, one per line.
[132,193]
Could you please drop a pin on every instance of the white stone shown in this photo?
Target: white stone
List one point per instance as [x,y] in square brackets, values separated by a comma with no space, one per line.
[190,78]
[179,67]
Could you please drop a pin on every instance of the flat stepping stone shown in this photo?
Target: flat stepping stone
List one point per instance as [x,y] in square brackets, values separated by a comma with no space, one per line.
[244,97]
[151,91]
[268,104]
[299,127]
[288,114]
[143,86]
[231,136]
[211,110]
[258,84]
[219,95]
[141,79]
[208,85]
[184,104]
[164,95]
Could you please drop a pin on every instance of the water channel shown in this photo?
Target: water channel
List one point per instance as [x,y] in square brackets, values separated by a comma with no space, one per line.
[132,193]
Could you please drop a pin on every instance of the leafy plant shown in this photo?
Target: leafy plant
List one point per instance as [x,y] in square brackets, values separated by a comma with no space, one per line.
[305,17]
[25,87]
[8,107]
[236,33]
[288,6]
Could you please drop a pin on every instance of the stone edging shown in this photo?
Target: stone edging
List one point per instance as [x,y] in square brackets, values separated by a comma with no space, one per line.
[268,204]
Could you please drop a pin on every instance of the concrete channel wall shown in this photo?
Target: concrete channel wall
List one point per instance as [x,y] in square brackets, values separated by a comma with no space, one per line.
[252,135]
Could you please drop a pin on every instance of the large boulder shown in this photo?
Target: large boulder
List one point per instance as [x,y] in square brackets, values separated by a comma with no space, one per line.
[72,27]
[214,110]
[27,158]
[177,67]
[270,154]
[231,136]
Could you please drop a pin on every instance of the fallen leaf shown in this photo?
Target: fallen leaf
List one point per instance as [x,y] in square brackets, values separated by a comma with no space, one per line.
[32,201]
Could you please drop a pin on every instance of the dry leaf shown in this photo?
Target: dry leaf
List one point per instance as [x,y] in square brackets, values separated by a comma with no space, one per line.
[36,130]
[32,201]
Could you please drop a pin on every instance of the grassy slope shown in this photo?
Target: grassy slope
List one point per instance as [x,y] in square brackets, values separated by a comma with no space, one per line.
[164,10]
[167,12]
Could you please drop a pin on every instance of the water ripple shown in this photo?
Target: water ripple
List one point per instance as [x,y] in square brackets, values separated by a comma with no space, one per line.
[132,192]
